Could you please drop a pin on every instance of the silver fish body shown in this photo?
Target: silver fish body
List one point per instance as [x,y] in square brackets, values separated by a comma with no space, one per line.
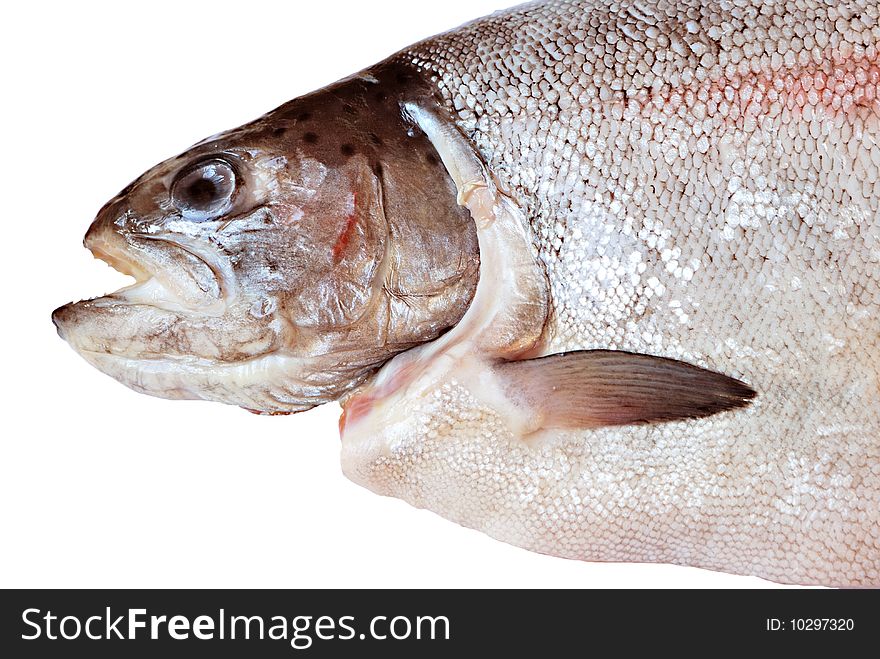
[701,181]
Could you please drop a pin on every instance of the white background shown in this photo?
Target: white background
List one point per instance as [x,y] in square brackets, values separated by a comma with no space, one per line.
[100,486]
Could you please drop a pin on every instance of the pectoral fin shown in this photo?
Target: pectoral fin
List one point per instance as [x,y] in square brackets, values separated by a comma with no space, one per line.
[595,388]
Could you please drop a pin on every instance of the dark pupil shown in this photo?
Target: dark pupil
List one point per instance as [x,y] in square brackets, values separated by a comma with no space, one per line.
[202,192]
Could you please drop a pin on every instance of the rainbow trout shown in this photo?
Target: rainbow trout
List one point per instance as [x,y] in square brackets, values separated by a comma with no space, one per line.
[600,279]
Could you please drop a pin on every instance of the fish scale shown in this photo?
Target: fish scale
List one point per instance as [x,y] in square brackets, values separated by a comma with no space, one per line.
[701,183]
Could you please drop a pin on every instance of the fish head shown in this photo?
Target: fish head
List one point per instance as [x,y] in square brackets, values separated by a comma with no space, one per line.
[278,265]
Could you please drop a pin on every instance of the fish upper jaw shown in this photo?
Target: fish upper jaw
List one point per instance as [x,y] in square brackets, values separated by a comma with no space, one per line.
[171,272]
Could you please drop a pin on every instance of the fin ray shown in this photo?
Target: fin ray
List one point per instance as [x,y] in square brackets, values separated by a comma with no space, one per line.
[596,388]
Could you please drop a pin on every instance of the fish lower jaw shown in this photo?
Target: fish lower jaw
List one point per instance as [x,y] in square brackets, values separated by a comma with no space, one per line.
[259,384]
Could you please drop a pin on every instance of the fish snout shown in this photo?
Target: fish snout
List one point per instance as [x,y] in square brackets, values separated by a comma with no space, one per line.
[105,240]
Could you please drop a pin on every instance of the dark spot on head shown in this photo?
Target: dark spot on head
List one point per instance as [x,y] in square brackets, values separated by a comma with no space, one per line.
[311,138]
[347,150]
[279,131]
[304,116]
[431,158]
[375,139]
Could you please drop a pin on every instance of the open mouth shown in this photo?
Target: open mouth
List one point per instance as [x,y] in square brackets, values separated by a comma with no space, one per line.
[168,274]
[173,283]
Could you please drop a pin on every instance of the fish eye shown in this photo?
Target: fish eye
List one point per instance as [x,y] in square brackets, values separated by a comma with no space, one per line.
[204,191]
